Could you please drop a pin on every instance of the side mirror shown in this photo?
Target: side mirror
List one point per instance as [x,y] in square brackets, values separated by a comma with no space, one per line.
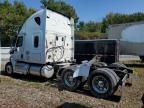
[13,50]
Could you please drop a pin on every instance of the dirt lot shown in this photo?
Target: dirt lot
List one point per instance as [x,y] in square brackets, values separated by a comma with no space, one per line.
[32,92]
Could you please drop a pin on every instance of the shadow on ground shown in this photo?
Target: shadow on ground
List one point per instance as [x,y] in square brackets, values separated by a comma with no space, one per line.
[71,105]
[29,78]
[113,98]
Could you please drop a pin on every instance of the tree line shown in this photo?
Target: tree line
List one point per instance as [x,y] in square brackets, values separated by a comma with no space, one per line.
[94,30]
[13,15]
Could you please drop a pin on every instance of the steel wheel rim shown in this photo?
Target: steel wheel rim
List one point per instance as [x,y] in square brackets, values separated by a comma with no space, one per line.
[100,84]
[69,80]
[9,69]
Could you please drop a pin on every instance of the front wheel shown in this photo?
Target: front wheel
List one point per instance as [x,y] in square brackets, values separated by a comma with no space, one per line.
[9,68]
[69,82]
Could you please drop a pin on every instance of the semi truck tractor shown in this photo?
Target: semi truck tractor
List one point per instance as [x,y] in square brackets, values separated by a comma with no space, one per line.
[130,36]
[46,38]
[45,47]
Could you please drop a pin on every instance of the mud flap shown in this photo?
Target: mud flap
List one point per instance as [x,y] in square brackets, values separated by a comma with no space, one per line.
[122,84]
[82,70]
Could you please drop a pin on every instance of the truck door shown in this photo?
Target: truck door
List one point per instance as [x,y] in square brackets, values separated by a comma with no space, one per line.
[36,54]
[19,49]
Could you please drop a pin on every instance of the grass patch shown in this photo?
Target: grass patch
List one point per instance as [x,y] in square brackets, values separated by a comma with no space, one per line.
[136,66]
[138,71]
[133,62]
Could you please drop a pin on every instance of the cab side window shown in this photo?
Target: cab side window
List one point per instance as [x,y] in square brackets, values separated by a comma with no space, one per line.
[37,20]
[19,42]
[36,42]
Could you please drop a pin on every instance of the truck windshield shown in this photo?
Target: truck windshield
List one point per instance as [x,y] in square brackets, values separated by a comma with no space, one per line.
[19,41]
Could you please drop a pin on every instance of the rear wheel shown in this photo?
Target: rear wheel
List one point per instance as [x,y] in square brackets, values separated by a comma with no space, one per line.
[102,83]
[9,68]
[69,82]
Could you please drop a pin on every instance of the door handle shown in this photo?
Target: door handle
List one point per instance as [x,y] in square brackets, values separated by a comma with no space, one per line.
[27,52]
[21,56]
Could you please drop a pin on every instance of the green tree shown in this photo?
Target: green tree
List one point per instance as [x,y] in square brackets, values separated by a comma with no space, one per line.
[116,18]
[61,7]
[12,16]
[89,30]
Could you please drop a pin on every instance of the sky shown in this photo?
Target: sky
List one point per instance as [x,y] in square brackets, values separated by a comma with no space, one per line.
[96,10]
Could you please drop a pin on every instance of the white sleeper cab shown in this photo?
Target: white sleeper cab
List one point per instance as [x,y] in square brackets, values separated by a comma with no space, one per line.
[46,38]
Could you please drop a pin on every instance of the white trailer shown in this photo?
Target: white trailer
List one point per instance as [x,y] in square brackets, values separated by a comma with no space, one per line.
[131,36]
[45,47]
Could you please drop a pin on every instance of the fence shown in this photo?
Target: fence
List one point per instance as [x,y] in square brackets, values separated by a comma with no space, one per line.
[4,55]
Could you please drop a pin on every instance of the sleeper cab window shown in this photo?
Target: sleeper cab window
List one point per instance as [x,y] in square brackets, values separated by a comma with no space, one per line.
[36,42]
[19,42]
[37,20]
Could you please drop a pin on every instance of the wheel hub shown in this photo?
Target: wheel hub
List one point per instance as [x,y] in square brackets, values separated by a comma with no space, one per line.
[100,84]
[9,69]
[69,80]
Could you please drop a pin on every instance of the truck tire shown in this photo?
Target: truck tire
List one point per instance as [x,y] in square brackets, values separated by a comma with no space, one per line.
[9,68]
[100,64]
[118,65]
[102,82]
[68,81]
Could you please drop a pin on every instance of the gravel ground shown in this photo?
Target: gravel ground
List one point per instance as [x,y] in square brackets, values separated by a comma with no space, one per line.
[31,92]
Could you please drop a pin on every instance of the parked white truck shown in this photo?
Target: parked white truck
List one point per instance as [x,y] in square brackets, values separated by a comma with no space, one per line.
[45,38]
[45,47]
